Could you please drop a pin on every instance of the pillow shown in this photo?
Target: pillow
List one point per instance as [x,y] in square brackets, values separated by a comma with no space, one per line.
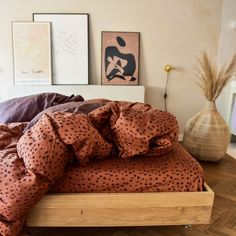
[24,109]
[70,107]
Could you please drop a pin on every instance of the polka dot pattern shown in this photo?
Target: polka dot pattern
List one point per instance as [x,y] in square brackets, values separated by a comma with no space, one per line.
[143,130]
[11,170]
[43,151]
[30,164]
[11,228]
[77,131]
[175,171]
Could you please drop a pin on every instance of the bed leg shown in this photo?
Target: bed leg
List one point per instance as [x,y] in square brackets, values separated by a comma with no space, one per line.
[188,226]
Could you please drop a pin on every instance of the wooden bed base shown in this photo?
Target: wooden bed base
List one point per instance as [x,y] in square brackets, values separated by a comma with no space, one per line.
[122,209]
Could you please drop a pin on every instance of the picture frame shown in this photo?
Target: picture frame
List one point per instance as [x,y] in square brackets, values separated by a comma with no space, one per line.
[32,53]
[70,56]
[120,58]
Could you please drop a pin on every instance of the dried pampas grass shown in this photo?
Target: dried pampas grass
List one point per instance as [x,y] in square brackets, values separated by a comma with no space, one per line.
[211,80]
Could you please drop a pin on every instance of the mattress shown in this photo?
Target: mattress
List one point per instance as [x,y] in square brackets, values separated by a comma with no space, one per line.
[177,171]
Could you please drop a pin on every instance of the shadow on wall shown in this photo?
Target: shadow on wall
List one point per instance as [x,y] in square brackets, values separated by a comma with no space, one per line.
[154,95]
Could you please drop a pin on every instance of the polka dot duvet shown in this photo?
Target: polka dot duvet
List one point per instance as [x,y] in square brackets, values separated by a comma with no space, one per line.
[32,163]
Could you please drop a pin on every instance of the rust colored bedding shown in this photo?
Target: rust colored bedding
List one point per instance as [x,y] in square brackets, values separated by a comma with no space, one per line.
[30,164]
[175,171]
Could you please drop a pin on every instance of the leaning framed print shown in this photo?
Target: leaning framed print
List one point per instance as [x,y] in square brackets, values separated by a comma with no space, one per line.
[32,53]
[120,58]
[69,46]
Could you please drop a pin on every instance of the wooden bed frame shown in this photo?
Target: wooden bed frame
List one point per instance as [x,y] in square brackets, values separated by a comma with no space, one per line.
[122,209]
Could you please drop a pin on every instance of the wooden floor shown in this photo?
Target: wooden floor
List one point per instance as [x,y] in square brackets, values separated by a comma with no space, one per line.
[220,176]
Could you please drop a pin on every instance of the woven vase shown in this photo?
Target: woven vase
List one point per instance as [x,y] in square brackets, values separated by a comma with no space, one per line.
[207,135]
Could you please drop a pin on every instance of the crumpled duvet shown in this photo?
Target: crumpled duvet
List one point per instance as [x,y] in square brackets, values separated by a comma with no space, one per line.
[30,164]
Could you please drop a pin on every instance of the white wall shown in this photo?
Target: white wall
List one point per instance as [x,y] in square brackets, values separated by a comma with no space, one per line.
[172,31]
[227,47]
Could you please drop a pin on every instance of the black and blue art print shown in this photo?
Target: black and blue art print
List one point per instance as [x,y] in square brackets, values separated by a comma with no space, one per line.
[120,55]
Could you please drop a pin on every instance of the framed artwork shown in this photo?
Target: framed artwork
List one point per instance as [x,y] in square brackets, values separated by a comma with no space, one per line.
[120,58]
[32,53]
[69,46]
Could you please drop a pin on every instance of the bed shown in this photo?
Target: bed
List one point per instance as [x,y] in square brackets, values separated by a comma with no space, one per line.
[112,204]
[113,208]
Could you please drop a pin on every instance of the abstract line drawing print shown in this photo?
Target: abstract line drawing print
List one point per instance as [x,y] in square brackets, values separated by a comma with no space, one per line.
[66,42]
[69,46]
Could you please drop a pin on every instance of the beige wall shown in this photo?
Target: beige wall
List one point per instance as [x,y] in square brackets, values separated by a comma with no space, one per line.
[172,31]
[227,42]
[227,47]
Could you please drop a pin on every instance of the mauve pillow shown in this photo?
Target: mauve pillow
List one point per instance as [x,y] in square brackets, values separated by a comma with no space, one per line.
[70,107]
[24,109]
